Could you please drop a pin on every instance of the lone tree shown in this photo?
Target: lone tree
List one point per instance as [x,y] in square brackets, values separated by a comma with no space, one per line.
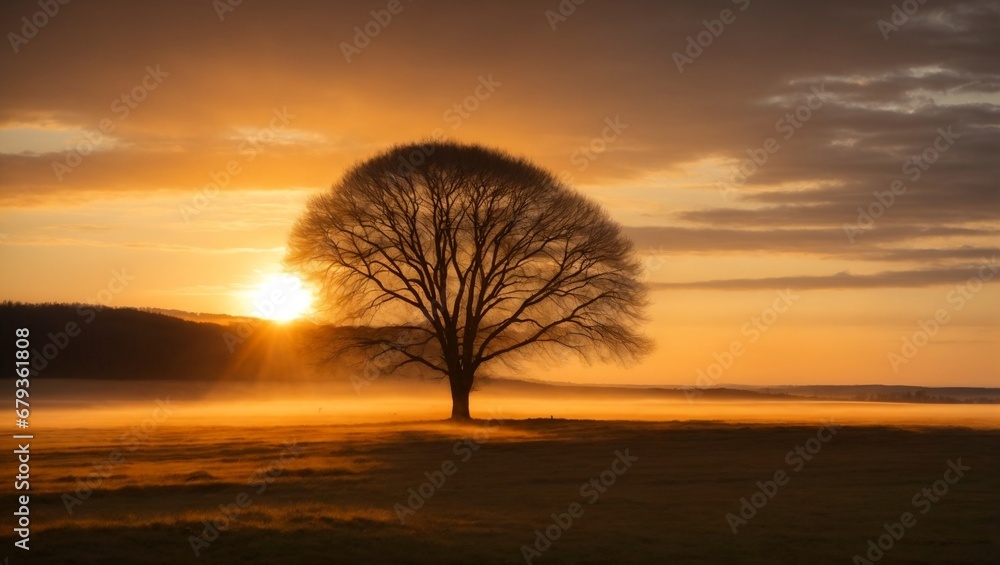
[466,256]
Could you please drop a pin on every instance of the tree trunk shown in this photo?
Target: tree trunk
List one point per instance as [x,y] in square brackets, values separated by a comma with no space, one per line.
[460,399]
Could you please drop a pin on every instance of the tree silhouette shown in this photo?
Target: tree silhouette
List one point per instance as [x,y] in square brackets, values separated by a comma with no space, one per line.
[471,257]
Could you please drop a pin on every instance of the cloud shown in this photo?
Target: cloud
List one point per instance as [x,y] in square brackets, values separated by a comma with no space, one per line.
[152,246]
[823,241]
[884,102]
[79,227]
[887,279]
[607,60]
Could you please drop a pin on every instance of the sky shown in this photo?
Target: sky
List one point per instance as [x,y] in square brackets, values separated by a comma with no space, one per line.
[812,186]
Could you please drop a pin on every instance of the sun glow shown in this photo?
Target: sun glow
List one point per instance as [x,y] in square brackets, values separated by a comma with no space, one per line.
[281,297]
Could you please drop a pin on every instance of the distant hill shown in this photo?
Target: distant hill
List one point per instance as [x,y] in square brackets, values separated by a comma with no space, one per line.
[886,393]
[867,393]
[549,389]
[221,319]
[77,341]
[87,342]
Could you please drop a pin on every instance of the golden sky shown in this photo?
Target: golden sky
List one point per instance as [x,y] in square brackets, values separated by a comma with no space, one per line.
[738,165]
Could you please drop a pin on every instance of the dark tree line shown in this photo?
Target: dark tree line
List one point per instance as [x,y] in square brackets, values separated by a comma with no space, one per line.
[88,342]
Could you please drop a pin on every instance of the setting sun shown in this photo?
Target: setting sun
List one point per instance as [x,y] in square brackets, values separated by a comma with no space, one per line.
[281,297]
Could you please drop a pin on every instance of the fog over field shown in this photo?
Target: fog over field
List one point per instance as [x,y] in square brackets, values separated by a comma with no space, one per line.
[76,403]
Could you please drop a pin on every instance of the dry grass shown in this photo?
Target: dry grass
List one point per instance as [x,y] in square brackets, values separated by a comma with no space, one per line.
[333,502]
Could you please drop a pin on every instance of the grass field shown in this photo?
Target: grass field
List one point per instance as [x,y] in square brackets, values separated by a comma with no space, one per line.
[332,496]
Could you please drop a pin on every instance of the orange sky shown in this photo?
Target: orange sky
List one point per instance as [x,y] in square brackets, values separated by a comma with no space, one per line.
[263,101]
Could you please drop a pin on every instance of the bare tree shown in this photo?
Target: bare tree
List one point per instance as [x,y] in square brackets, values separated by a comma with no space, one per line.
[476,257]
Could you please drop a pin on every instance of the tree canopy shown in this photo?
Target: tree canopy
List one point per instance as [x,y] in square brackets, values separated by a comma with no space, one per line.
[473,257]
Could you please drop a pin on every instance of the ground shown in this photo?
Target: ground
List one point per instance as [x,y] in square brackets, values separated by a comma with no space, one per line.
[318,494]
